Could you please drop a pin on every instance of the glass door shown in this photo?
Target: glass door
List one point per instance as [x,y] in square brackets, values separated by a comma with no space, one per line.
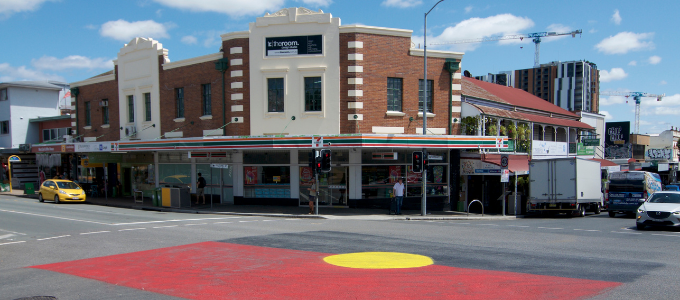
[333,187]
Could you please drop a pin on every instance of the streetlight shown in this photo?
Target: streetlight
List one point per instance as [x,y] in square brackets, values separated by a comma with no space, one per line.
[423,202]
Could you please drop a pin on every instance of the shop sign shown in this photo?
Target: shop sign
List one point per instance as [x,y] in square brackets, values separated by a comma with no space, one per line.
[384,155]
[432,157]
[585,149]
[92,147]
[478,167]
[317,142]
[545,148]
[59,148]
[219,166]
[294,45]
[591,142]
[659,154]
[510,148]
[14,158]
[662,167]
[505,175]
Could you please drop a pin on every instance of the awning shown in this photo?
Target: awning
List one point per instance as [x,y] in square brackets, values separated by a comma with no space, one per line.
[518,164]
[605,162]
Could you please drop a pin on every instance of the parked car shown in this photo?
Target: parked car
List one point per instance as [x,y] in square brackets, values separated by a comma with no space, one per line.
[661,209]
[60,190]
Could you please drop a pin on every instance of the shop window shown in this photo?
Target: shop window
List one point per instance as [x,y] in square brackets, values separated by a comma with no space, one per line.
[207,108]
[4,127]
[88,120]
[131,108]
[430,86]
[394,94]
[179,102]
[55,133]
[436,181]
[147,107]
[174,175]
[267,182]
[275,94]
[378,181]
[313,94]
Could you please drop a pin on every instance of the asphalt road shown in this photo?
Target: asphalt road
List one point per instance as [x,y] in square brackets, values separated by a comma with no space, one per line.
[132,254]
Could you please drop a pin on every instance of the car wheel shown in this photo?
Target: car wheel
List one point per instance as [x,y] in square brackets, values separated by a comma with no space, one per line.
[640,226]
[40,198]
[598,209]
[56,199]
[612,214]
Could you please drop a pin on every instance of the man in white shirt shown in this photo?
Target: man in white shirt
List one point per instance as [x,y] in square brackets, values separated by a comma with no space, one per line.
[398,191]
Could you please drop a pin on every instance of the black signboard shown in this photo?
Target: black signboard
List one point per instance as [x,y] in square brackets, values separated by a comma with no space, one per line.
[294,45]
[617,133]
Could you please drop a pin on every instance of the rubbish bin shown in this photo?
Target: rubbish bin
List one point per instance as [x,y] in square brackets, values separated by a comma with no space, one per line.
[156,197]
[28,188]
[461,206]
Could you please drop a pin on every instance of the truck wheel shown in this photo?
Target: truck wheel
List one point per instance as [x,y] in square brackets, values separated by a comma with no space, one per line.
[581,210]
[598,209]
[612,213]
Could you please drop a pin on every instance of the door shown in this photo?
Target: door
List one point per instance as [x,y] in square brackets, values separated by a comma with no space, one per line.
[227,185]
[127,181]
[333,187]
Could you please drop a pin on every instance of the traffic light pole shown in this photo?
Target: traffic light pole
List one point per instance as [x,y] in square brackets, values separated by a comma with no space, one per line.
[423,201]
[316,199]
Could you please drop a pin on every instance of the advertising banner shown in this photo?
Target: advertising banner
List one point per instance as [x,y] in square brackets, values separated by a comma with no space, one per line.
[251,175]
[395,173]
[92,147]
[617,140]
[294,45]
[57,148]
[306,175]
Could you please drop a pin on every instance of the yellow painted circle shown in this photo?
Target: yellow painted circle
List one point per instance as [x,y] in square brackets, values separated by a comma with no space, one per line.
[379,260]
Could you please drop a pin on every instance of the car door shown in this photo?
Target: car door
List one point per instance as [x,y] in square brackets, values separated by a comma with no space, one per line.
[48,190]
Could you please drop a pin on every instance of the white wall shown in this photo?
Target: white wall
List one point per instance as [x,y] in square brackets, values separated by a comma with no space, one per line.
[28,103]
[295,22]
[138,74]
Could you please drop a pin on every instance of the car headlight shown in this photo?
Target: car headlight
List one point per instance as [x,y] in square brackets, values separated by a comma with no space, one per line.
[677,213]
[82,192]
[641,210]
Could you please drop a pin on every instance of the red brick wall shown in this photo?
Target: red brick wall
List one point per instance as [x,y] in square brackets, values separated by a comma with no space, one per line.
[53,124]
[94,93]
[383,57]
[238,129]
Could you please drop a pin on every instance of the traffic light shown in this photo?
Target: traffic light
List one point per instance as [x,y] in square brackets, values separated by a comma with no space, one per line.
[426,160]
[325,160]
[417,162]
[312,160]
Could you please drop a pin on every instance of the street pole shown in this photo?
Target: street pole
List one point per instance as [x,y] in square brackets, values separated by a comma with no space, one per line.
[423,201]
[316,199]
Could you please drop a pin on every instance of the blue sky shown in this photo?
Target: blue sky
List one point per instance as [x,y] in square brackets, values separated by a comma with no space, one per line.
[632,44]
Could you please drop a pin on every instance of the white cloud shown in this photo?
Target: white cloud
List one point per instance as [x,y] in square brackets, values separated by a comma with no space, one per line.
[616,17]
[626,41]
[468,9]
[232,8]
[612,100]
[401,3]
[10,73]
[9,7]
[125,31]
[316,3]
[159,13]
[669,105]
[632,63]
[475,28]
[654,60]
[189,40]
[663,82]
[91,27]
[592,30]
[613,74]
[607,115]
[71,62]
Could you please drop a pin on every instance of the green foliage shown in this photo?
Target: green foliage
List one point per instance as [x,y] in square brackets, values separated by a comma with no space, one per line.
[470,125]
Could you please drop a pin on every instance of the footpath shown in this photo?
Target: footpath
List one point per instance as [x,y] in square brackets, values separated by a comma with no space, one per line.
[281,211]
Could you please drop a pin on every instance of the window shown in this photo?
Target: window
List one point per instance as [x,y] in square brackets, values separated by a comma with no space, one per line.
[88,120]
[207,108]
[179,102]
[394,94]
[430,86]
[105,112]
[4,127]
[147,106]
[312,93]
[54,134]
[131,108]
[275,94]
[3,94]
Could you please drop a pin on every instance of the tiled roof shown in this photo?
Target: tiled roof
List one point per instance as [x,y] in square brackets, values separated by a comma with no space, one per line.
[522,116]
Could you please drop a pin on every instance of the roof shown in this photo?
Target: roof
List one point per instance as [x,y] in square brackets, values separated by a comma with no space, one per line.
[516,163]
[509,95]
[522,116]
[45,119]
[605,163]
[31,84]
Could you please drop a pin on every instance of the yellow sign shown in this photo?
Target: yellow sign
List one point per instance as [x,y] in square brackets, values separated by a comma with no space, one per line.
[86,163]
[12,158]
[277,179]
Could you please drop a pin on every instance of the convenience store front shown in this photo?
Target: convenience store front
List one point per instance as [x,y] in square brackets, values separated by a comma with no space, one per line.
[271,170]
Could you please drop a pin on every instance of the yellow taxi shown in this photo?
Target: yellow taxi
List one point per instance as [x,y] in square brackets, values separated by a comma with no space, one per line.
[61,190]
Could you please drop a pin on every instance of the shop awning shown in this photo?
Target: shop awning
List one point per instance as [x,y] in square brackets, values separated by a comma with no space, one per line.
[518,164]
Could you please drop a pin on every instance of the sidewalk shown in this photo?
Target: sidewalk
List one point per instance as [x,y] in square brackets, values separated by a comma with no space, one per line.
[284,211]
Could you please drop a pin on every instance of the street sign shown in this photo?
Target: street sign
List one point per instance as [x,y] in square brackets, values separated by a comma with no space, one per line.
[505,175]
[219,166]
[435,157]
[591,142]
[14,158]
[504,161]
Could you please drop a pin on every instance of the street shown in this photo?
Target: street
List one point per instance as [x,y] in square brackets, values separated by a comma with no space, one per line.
[86,251]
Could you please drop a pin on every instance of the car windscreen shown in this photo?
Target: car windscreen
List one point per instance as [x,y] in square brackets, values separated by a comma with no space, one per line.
[67,185]
[665,198]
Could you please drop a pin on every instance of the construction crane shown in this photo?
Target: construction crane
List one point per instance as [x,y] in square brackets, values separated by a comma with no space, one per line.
[536,39]
[636,96]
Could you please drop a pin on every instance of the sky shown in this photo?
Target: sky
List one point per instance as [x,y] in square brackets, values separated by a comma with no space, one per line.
[631,44]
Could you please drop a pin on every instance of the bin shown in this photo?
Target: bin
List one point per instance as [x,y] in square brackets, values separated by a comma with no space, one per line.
[156,197]
[4,187]
[461,206]
[28,188]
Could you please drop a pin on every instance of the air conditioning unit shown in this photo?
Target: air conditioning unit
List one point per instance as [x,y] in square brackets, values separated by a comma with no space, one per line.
[130,130]
[104,103]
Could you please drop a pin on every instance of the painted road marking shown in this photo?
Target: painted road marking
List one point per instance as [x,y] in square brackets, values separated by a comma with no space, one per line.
[223,222]
[550,228]
[54,237]
[626,232]
[19,233]
[84,233]
[55,217]
[379,260]
[592,230]
[175,220]
[666,235]
[195,224]
[130,229]
[166,226]
[19,242]
[6,236]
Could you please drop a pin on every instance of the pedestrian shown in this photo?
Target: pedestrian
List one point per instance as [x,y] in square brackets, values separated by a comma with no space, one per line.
[201,185]
[42,176]
[398,191]
[312,196]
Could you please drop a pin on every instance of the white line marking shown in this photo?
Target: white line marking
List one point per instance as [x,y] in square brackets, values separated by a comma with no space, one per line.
[166,226]
[55,217]
[54,237]
[626,232]
[12,243]
[666,235]
[292,219]
[549,228]
[176,220]
[593,230]
[580,229]
[268,220]
[247,221]
[6,236]
[463,223]
[195,224]
[84,233]
[19,233]
[223,222]
[488,225]
[129,229]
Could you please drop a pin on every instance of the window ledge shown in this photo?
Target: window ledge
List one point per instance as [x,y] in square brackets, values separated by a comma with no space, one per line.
[87,127]
[429,115]
[178,120]
[275,115]
[395,113]
[106,126]
[206,117]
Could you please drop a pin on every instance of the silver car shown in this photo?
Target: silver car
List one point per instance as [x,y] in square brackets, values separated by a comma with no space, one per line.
[660,209]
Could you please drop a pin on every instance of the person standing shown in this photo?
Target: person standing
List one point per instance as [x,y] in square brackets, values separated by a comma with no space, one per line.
[201,185]
[398,191]
[42,176]
[312,196]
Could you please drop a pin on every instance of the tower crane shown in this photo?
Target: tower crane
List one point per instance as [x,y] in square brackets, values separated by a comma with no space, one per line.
[536,39]
[636,96]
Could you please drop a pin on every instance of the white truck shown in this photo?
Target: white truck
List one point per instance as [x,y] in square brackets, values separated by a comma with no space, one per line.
[565,185]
